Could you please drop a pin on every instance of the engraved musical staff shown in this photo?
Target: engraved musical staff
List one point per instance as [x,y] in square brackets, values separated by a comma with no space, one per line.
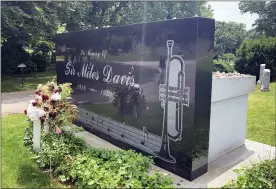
[121,131]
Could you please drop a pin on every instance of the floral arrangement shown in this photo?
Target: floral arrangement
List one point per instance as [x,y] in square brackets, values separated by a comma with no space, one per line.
[129,100]
[52,106]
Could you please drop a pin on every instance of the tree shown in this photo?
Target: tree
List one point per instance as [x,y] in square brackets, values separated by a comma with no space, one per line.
[27,21]
[267,15]
[33,24]
[146,11]
[228,37]
[252,53]
[254,34]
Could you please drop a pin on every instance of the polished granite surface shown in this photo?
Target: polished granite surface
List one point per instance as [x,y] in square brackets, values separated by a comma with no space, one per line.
[145,87]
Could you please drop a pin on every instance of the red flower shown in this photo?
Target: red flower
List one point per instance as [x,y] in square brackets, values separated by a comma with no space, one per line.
[52,114]
[38,92]
[42,119]
[45,97]
[25,111]
[34,103]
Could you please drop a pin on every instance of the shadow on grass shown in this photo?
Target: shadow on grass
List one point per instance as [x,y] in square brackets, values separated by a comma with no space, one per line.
[32,177]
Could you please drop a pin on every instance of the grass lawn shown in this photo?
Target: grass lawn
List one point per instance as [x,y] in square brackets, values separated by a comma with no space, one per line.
[18,169]
[261,116]
[13,83]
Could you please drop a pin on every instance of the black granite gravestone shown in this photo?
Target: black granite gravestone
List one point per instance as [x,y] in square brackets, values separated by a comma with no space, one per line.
[145,87]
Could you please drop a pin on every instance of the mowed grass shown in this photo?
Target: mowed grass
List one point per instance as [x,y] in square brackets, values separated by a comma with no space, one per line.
[12,83]
[18,169]
[261,116]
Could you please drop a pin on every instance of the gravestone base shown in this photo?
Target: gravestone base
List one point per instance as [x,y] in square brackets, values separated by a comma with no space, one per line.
[228,113]
[265,90]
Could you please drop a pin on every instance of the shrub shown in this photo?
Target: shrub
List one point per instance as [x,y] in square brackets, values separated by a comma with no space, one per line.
[222,66]
[40,60]
[55,147]
[252,53]
[41,55]
[72,161]
[261,175]
[12,54]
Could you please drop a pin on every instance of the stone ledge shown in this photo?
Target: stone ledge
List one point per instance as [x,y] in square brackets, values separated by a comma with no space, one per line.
[229,87]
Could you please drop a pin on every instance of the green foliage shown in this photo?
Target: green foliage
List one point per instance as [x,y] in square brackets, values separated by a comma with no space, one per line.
[28,21]
[228,37]
[55,147]
[252,53]
[111,169]
[145,11]
[265,23]
[261,175]
[28,137]
[13,54]
[40,60]
[223,66]
[72,161]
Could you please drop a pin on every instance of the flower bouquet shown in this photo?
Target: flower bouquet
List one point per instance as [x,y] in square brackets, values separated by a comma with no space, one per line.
[51,108]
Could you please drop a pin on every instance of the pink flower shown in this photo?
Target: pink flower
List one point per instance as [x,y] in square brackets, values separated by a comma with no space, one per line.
[58,130]
[147,108]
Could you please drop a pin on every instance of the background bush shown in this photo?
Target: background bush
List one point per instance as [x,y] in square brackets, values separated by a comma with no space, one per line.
[12,54]
[223,66]
[252,53]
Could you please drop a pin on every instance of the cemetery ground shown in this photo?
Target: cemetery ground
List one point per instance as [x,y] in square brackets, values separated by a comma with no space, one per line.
[20,170]
[12,83]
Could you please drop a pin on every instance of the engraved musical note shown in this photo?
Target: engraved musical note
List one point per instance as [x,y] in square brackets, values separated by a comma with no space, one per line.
[146,136]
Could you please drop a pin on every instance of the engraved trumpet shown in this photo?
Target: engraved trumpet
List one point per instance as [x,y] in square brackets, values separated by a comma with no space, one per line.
[176,133]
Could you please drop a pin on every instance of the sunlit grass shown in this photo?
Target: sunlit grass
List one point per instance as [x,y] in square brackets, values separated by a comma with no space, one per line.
[18,169]
[13,83]
[261,116]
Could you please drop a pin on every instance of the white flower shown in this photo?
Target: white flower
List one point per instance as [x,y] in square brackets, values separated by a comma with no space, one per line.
[41,112]
[137,86]
[56,97]
[32,113]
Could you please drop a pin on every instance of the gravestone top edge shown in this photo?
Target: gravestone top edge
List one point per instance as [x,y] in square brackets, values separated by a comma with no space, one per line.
[134,24]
